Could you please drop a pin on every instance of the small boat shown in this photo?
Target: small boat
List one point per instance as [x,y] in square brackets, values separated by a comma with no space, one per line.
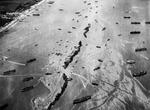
[104,28]
[135,23]
[95,84]
[26,89]
[142,73]
[61,9]
[50,2]
[48,73]
[77,12]
[9,72]
[100,60]
[130,62]
[28,79]
[82,99]
[127,17]
[140,49]
[98,46]
[36,14]
[31,60]
[147,22]
[97,68]
[135,32]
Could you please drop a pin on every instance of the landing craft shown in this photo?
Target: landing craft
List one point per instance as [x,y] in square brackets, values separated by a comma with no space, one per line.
[142,73]
[127,17]
[50,2]
[28,79]
[98,46]
[36,14]
[48,73]
[100,60]
[130,62]
[61,10]
[77,12]
[135,23]
[140,49]
[104,28]
[97,68]
[9,72]
[135,32]
[81,100]
[95,84]
[147,22]
[26,89]
[31,60]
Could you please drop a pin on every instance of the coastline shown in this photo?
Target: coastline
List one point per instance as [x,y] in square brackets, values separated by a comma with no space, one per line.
[10,15]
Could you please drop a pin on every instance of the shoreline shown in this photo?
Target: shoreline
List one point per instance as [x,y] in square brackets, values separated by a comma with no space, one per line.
[11,16]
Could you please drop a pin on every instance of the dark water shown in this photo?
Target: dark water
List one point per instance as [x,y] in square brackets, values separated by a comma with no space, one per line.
[9,6]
